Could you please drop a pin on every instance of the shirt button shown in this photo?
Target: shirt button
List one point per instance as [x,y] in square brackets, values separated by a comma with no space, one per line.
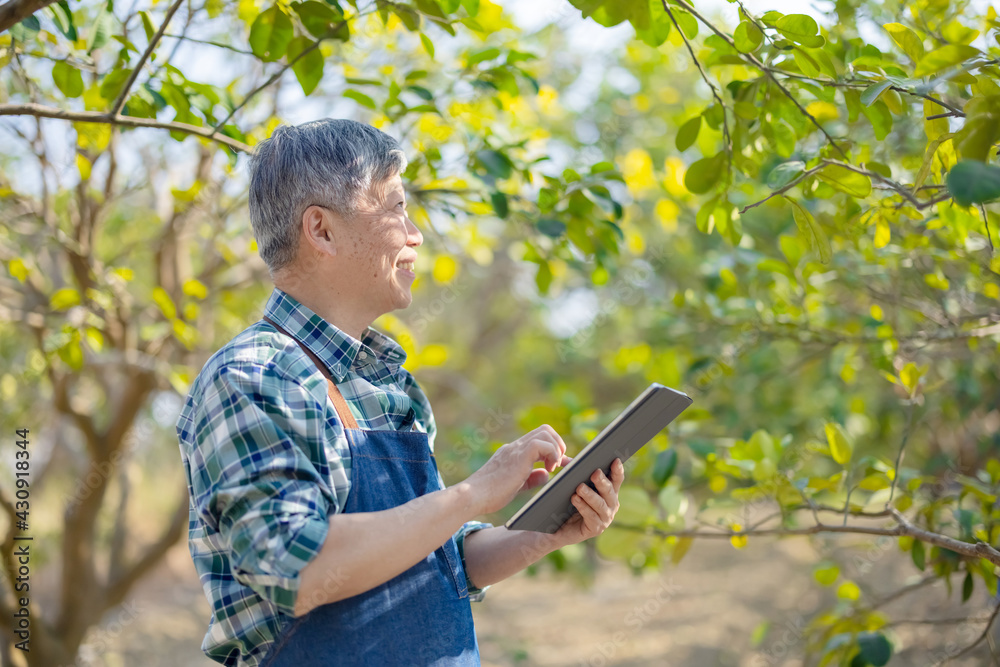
[362,355]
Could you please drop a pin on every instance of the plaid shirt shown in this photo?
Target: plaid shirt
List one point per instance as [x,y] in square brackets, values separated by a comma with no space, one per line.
[267,463]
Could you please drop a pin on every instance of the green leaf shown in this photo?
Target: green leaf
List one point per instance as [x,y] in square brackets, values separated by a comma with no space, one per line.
[317,17]
[879,116]
[428,44]
[482,55]
[917,552]
[747,37]
[785,173]
[946,56]
[496,163]
[812,230]
[147,25]
[360,98]
[666,463]
[872,92]
[62,16]
[309,68]
[875,648]
[100,31]
[801,29]
[906,39]
[543,277]
[551,227]
[499,201]
[688,134]
[113,83]
[972,182]
[67,79]
[967,586]
[659,27]
[25,30]
[271,34]
[612,12]
[845,180]
[705,173]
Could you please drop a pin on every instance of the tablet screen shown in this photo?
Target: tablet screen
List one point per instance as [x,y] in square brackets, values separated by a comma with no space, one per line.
[647,415]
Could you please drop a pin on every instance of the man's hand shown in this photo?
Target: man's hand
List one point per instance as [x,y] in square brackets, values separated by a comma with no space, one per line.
[596,509]
[511,469]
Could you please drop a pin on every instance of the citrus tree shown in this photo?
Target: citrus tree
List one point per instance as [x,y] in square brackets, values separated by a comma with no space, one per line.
[754,216]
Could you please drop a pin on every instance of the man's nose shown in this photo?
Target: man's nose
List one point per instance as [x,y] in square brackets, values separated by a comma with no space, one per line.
[413,236]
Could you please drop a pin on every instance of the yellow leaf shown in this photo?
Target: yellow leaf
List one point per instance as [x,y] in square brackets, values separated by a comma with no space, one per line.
[822,111]
[637,170]
[124,273]
[840,447]
[738,541]
[445,269]
[882,233]
[876,312]
[667,211]
[166,304]
[64,298]
[910,376]
[433,355]
[848,591]
[195,288]
[19,271]
[992,290]
[83,166]
[717,484]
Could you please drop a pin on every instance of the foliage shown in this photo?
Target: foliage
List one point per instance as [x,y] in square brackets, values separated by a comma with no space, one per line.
[788,221]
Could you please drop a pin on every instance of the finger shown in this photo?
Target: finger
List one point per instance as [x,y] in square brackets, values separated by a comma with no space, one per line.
[605,487]
[617,474]
[558,438]
[596,502]
[565,461]
[591,520]
[546,450]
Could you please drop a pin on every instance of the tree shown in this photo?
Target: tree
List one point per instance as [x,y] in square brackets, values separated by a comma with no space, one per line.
[123,277]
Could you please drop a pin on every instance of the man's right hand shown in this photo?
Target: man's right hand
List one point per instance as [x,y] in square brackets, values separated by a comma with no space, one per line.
[511,469]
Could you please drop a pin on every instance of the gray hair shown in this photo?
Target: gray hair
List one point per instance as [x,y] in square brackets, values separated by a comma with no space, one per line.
[332,162]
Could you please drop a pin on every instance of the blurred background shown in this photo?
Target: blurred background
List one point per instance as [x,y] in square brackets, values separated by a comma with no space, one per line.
[593,181]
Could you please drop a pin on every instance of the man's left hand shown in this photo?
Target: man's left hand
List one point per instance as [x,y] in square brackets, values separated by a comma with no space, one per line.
[595,509]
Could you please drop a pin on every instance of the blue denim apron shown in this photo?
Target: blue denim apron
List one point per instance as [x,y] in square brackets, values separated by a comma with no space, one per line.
[419,617]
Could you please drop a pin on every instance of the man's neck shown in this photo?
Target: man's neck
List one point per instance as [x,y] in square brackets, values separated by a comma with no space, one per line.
[327,304]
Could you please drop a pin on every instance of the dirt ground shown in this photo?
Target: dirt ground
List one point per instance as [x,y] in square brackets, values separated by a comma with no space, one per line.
[700,613]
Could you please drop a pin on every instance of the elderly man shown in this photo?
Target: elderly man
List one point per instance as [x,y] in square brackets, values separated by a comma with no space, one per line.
[320,527]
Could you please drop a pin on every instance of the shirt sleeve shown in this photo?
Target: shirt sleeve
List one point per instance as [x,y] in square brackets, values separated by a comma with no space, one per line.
[255,484]
[475,594]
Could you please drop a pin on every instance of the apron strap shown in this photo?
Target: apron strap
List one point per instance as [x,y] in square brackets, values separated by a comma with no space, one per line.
[346,418]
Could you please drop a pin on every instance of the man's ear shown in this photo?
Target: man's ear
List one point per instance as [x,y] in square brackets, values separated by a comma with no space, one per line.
[318,229]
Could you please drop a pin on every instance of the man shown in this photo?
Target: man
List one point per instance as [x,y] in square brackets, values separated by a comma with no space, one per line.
[319,525]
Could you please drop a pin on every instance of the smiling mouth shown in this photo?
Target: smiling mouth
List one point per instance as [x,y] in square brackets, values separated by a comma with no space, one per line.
[406,266]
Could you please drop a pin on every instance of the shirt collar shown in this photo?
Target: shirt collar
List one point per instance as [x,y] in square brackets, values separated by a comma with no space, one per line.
[337,349]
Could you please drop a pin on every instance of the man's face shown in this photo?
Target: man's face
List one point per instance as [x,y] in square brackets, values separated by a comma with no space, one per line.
[379,247]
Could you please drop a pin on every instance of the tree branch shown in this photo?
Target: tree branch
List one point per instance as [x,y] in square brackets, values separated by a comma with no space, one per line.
[979,640]
[41,111]
[704,76]
[116,108]
[119,587]
[16,11]
[903,528]
[763,68]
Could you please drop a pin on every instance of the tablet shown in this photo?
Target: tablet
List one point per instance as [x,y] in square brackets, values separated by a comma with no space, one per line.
[649,414]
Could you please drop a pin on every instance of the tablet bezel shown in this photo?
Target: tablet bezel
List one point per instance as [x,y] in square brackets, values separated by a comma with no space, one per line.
[524,520]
